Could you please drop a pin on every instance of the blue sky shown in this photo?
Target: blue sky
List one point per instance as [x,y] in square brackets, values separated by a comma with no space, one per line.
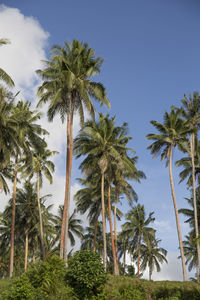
[151,52]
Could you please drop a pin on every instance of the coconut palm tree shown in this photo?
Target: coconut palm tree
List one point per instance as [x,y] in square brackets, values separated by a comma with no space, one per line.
[123,246]
[123,187]
[41,165]
[172,133]
[68,87]
[8,134]
[190,250]
[137,229]
[75,227]
[3,75]
[191,112]
[87,241]
[152,255]
[29,139]
[103,145]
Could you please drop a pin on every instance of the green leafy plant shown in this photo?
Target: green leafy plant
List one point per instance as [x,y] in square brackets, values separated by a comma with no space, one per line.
[21,289]
[86,274]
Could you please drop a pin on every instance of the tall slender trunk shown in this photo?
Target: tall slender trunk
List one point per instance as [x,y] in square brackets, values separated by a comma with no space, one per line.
[40,217]
[115,217]
[138,250]
[116,269]
[26,251]
[124,260]
[197,274]
[177,216]
[62,238]
[69,189]
[33,255]
[150,273]
[95,237]
[104,223]
[192,149]
[12,242]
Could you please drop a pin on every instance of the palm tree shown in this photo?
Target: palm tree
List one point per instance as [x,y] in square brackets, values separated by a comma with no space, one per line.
[137,229]
[39,165]
[172,133]
[75,227]
[189,244]
[120,177]
[3,75]
[29,138]
[123,245]
[152,255]
[67,86]
[8,133]
[103,145]
[87,241]
[191,112]
[88,199]
[190,250]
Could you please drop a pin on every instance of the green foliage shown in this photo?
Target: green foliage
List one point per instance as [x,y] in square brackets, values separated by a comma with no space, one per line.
[86,274]
[116,287]
[45,280]
[49,275]
[124,287]
[21,289]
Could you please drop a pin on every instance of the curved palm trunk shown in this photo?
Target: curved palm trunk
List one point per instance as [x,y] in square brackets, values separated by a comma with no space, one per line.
[177,216]
[104,223]
[26,252]
[138,250]
[62,238]
[13,224]
[116,269]
[192,148]
[69,189]
[40,217]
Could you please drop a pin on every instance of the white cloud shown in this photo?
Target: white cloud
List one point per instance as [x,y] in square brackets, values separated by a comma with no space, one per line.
[170,271]
[20,59]
[23,56]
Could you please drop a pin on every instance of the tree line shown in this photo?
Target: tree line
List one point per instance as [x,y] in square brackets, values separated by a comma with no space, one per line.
[28,229]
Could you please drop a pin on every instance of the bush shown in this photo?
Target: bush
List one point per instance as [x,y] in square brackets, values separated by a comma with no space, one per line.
[86,274]
[21,289]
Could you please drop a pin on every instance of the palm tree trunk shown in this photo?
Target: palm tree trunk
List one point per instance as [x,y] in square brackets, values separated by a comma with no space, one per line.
[104,223]
[26,252]
[13,224]
[115,217]
[95,237]
[150,273]
[33,255]
[197,274]
[138,250]
[116,269]
[177,216]
[40,217]
[124,260]
[66,189]
[69,189]
[192,148]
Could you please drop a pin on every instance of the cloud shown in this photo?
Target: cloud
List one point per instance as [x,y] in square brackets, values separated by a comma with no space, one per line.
[170,271]
[23,56]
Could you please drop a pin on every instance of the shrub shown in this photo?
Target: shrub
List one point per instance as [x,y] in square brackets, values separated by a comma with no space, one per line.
[21,289]
[48,277]
[86,274]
